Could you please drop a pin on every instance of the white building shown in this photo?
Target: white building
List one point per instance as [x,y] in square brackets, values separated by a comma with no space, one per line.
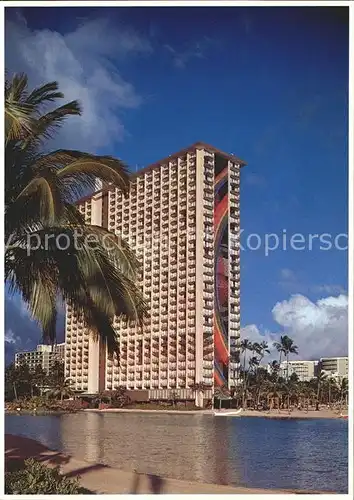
[43,356]
[305,370]
[335,367]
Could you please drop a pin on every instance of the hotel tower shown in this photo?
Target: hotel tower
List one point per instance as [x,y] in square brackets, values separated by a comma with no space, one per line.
[182,218]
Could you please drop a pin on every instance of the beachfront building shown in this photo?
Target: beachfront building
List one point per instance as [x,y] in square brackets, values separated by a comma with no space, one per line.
[182,218]
[305,370]
[43,356]
[335,367]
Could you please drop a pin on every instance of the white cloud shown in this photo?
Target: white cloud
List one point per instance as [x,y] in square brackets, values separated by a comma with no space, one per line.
[337,289]
[288,274]
[10,337]
[318,328]
[82,62]
[194,50]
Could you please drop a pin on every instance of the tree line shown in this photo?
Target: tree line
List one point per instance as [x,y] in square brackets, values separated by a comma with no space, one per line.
[21,382]
[260,387]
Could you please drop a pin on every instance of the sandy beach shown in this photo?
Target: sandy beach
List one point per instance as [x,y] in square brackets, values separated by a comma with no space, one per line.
[322,413]
[102,479]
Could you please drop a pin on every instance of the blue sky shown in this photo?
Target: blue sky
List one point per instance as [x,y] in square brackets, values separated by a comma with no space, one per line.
[267,84]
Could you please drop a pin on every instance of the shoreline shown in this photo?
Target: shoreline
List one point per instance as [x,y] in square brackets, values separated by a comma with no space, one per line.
[300,414]
[282,415]
[104,479]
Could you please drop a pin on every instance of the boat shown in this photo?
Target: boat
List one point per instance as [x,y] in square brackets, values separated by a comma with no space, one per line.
[227,413]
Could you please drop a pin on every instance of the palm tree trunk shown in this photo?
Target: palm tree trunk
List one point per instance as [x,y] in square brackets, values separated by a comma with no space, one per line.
[244,382]
[287,367]
[341,402]
[15,390]
[271,405]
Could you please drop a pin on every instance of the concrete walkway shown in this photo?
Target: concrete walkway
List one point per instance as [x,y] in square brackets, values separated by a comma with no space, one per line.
[108,480]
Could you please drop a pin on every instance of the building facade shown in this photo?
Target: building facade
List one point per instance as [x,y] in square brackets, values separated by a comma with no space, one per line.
[305,370]
[182,219]
[336,367]
[43,356]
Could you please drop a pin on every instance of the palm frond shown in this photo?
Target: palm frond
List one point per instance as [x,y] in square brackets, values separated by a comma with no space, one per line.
[98,280]
[45,93]
[46,124]
[82,275]
[19,122]
[16,89]
[48,196]
[80,171]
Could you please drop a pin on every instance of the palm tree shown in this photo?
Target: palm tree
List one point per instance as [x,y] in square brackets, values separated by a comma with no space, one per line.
[62,389]
[320,379]
[286,346]
[245,346]
[40,191]
[273,395]
[332,385]
[199,389]
[274,369]
[11,378]
[343,392]
[38,379]
[261,384]
[24,379]
[292,390]
[253,363]
[56,374]
[262,349]
[117,397]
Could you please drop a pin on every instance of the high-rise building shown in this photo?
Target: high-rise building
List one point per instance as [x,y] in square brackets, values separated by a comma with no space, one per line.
[43,356]
[182,218]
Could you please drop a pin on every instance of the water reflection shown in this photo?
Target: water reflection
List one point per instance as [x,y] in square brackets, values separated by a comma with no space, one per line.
[88,435]
[253,452]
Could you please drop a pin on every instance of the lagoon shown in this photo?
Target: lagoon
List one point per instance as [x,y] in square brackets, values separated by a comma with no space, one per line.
[308,454]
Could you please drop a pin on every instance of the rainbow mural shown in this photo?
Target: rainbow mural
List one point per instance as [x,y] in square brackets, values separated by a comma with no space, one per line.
[221,350]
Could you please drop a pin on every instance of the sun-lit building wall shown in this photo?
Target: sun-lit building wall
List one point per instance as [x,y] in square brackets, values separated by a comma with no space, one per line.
[181,217]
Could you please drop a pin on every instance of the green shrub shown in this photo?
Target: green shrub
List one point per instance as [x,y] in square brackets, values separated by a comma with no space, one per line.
[37,479]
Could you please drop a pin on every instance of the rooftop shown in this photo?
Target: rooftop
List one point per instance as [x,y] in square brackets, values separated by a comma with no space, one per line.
[190,149]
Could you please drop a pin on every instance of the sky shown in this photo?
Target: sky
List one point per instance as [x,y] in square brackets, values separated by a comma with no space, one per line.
[267,84]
